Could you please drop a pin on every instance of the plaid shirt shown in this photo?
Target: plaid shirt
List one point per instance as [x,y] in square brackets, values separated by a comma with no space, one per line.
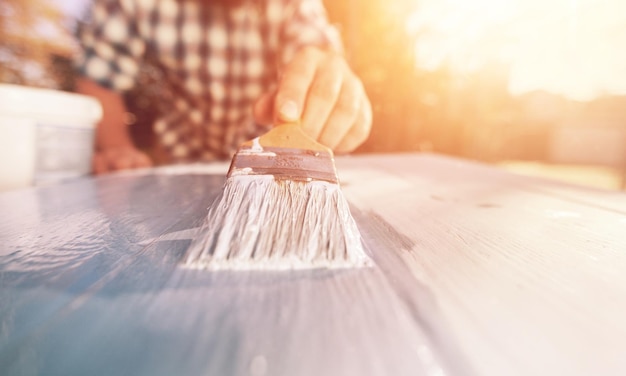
[216,62]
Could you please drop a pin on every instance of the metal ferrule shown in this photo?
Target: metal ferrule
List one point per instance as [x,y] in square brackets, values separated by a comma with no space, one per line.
[285,164]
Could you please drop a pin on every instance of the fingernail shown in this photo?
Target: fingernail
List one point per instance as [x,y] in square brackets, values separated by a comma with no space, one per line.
[289,110]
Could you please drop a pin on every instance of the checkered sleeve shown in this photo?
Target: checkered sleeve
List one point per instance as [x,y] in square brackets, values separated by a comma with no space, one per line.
[306,24]
[111,46]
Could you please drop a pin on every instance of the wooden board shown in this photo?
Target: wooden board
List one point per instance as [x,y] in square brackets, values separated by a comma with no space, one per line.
[477,272]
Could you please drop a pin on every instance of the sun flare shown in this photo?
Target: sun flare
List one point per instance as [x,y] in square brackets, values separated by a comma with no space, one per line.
[568,47]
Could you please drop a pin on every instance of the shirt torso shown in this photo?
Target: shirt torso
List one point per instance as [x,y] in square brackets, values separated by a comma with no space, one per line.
[215,62]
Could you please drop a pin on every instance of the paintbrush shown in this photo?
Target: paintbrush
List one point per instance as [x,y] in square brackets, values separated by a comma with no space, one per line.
[281,208]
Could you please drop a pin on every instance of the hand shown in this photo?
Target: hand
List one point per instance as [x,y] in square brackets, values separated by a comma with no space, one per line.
[120,158]
[319,89]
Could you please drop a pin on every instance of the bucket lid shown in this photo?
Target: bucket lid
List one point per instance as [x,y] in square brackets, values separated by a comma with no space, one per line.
[81,110]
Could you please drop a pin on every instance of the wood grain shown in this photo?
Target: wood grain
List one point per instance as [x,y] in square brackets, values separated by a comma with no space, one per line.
[477,272]
[529,273]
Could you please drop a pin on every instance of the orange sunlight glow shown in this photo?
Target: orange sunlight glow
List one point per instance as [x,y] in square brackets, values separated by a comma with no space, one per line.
[569,47]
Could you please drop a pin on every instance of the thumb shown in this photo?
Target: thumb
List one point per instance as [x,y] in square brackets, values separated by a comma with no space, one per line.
[264,108]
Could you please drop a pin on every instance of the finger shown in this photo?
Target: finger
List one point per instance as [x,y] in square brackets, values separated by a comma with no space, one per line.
[98,164]
[359,132]
[121,161]
[344,114]
[264,108]
[322,97]
[294,85]
[142,160]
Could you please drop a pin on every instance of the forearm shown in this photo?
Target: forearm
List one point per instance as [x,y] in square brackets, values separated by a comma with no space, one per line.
[112,132]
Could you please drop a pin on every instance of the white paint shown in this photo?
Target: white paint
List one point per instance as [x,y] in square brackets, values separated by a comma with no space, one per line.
[187,234]
[470,277]
[260,223]
[256,145]
[258,366]
[241,171]
[256,149]
[557,214]
[532,285]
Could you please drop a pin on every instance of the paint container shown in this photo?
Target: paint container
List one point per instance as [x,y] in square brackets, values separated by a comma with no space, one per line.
[45,135]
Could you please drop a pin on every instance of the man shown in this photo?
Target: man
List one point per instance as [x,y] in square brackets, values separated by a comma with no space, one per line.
[234,69]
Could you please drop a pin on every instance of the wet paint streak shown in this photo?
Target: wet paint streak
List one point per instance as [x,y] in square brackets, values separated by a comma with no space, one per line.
[125,305]
[91,281]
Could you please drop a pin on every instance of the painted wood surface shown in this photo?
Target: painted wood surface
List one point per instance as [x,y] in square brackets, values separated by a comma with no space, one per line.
[477,271]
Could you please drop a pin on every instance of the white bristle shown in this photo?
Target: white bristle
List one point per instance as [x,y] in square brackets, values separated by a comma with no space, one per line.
[262,223]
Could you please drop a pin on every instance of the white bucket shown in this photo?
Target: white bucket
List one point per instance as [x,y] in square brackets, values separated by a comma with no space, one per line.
[45,135]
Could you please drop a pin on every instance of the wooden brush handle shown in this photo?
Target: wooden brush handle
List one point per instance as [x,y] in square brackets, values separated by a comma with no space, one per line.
[289,135]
